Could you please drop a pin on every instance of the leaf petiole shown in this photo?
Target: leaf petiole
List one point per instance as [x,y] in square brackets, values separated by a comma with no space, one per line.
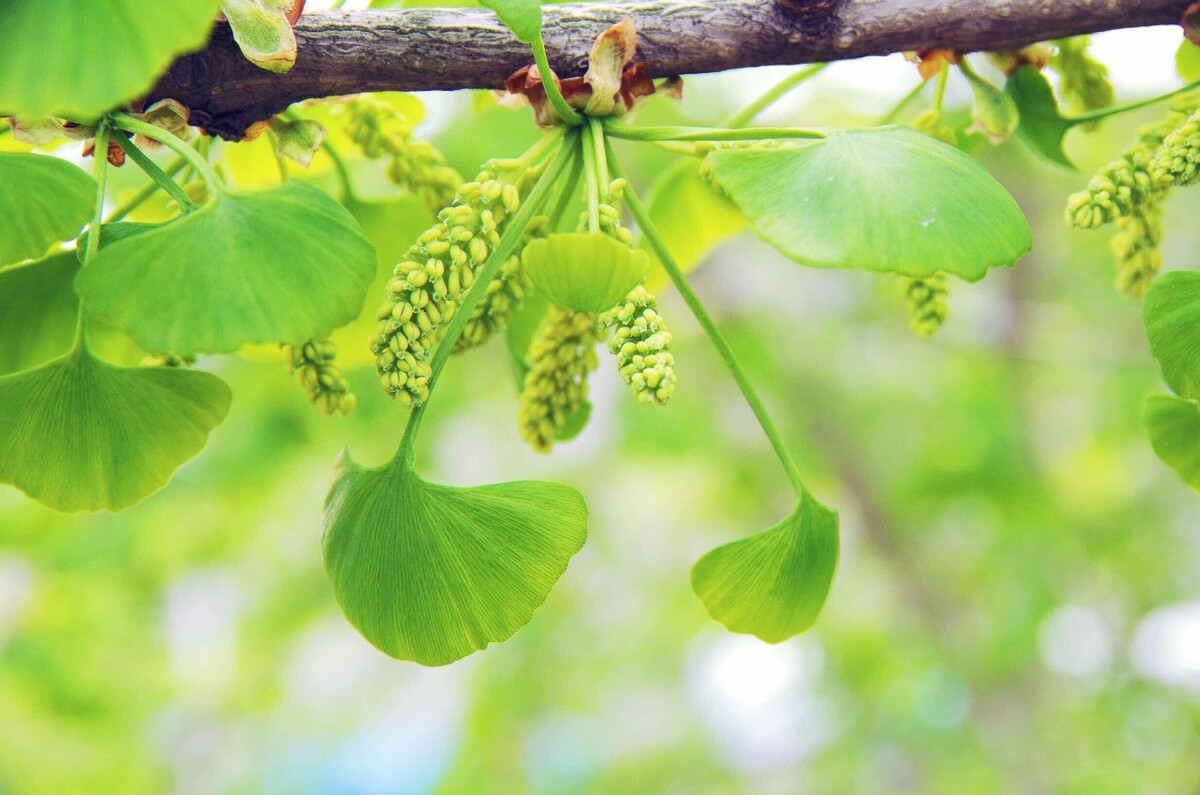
[593,182]
[659,246]
[145,192]
[100,171]
[1128,107]
[773,95]
[130,124]
[568,114]
[513,234]
[621,130]
[152,170]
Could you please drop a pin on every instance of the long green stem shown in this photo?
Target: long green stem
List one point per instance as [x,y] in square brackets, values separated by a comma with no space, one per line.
[553,93]
[593,184]
[100,171]
[145,192]
[195,159]
[773,95]
[939,92]
[343,170]
[621,130]
[566,191]
[659,246]
[904,102]
[601,152]
[514,232]
[1113,110]
[155,173]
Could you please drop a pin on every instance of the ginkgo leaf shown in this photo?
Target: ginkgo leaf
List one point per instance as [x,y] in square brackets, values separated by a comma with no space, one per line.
[44,200]
[885,199]
[84,435]
[79,58]
[38,310]
[1171,313]
[432,573]
[280,265]
[774,583]
[1042,126]
[1173,426]
[582,271]
[522,17]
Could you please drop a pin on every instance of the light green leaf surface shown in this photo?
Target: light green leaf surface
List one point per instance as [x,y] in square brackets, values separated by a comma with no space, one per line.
[432,573]
[43,200]
[83,435]
[886,199]
[523,17]
[772,584]
[1042,126]
[262,32]
[1173,426]
[79,58]
[582,271]
[280,265]
[519,331]
[38,308]
[1171,313]
[692,218]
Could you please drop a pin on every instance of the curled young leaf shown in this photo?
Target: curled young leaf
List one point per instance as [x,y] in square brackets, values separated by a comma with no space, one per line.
[885,199]
[83,435]
[280,265]
[1042,126]
[774,583]
[263,31]
[297,140]
[584,272]
[44,200]
[1173,426]
[993,112]
[611,52]
[432,573]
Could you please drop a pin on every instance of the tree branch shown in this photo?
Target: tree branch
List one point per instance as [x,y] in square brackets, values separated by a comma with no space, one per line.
[346,52]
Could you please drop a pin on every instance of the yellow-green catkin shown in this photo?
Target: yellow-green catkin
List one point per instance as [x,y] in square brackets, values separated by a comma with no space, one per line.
[561,355]
[315,366]
[640,339]
[1177,161]
[1135,246]
[429,283]
[1083,81]
[380,131]
[504,295]
[642,344]
[928,304]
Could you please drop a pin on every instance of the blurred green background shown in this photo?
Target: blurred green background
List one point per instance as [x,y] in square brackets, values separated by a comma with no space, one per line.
[1016,608]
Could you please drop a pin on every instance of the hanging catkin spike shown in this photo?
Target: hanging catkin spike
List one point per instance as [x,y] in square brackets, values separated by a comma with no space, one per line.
[379,130]
[504,296]
[928,304]
[315,367]
[642,345]
[1177,161]
[561,355]
[1135,245]
[429,283]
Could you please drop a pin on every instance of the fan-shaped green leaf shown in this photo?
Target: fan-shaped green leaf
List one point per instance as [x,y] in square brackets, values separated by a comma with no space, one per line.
[44,200]
[279,265]
[1173,426]
[885,199]
[772,584]
[79,58]
[582,271]
[38,309]
[523,17]
[1171,313]
[83,435]
[1042,126]
[433,573]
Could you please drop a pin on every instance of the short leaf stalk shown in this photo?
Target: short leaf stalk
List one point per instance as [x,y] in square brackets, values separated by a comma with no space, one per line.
[146,191]
[659,246]
[508,242]
[568,114]
[774,94]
